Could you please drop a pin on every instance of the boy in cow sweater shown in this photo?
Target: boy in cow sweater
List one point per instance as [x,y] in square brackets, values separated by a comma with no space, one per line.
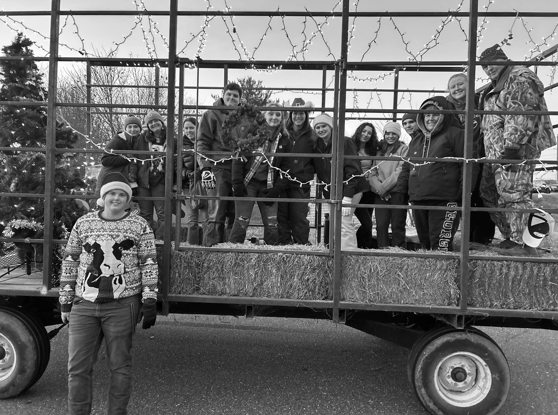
[108,283]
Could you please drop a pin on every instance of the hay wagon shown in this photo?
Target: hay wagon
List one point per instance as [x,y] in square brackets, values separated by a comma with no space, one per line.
[431,303]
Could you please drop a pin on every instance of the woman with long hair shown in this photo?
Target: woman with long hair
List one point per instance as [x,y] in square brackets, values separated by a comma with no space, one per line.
[366,141]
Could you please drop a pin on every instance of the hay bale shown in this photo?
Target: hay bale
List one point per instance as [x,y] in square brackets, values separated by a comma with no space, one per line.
[396,280]
[513,285]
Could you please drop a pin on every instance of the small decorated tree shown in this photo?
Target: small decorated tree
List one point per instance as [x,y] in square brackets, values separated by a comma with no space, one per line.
[23,171]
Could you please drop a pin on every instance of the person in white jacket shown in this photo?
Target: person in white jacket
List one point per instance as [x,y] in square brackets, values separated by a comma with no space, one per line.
[383,182]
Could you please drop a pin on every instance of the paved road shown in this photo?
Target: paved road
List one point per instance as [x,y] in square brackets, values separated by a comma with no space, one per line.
[223,365]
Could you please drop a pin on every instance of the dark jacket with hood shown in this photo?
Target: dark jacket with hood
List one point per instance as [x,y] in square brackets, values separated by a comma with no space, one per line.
[435,180]
[116,162]
[351,167]
[304,142]
[149,169]
[240,168]
[209,136]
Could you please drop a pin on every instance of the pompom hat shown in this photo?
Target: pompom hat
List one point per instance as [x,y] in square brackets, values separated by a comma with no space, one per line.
[393,127]
[114,181]
[323,119]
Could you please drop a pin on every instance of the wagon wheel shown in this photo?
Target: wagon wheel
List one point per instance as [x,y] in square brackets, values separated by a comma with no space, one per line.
[458,372]
[41,338]
[22,356]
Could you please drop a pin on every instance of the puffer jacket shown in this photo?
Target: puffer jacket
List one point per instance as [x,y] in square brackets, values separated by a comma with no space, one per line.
[351,167]
[517,89]
[434,180]
[241,167]
[383,178]
[209,136]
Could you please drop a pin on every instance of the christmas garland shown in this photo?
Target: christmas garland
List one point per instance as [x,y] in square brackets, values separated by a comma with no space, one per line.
[252,142]
[21,224]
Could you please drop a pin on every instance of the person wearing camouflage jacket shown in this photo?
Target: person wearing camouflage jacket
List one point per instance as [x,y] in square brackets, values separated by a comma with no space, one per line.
[511,137]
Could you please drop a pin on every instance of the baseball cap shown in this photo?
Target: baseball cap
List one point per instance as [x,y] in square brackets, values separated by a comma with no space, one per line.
[539,225]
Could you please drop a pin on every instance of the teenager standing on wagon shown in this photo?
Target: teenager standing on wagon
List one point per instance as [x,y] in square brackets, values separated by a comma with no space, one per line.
[353,187]
[366,141]
[256,177]
[383,181]
[293,223]
[216,176]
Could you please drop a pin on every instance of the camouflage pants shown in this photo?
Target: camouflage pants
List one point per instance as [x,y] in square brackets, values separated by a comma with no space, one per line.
[508,188]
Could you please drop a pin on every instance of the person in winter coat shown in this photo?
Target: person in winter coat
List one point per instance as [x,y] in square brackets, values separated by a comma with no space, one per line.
[255,178]
[482,227]
[353,187]
[435,183]
[123,140]
[293,223]
[383,181]
[512,137]
[191,167]
[409,123]
[366,141]
[216,175]
[148,170]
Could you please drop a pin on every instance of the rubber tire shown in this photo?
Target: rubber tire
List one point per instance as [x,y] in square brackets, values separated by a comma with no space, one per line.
[41,338]
[451,341]
[27,365]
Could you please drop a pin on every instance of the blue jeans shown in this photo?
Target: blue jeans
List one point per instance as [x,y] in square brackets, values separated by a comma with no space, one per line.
[194,218]
[146,206]
[90,323]
[244,213]
[293,223]
[218,210]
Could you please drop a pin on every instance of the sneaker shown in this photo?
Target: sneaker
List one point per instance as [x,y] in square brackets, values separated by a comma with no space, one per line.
[508,244]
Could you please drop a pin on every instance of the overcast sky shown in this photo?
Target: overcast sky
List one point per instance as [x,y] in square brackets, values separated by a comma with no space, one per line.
[276,39]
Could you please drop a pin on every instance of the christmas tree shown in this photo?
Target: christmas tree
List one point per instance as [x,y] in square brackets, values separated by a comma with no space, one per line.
[23,171]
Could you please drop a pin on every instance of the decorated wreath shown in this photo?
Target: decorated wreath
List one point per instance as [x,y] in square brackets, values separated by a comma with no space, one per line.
[245,130]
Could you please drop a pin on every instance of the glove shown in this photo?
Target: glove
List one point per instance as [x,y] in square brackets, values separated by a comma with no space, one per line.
[208,179]
[148,312]
[132,177]
[346,211]
[239,190]
[271,193]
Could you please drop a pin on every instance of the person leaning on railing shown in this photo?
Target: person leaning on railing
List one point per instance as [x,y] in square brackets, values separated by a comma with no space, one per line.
[353,187]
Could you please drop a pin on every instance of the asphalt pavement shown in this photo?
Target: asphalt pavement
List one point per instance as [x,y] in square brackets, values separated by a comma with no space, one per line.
[225,365]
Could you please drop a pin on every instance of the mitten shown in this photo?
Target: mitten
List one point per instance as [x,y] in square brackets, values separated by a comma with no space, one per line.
[271,193]
[346,211]
[148,312]
[132,177]
[239,190]
[208,178]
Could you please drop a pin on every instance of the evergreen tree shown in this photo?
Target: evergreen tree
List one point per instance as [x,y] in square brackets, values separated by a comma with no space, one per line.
[25,126]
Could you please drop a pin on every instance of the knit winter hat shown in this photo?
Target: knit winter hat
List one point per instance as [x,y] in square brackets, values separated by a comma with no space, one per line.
[393,127]
[409,117]
[323,119]
[131,119]
[114,181]
[493,53]
[153,115]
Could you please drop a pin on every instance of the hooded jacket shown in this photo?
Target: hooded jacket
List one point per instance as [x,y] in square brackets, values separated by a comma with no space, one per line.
[517,89]
[142,167]
[351,167]
[240,167]
[301,168]
[434,180]
[385,176]
[116,162]
[209,136]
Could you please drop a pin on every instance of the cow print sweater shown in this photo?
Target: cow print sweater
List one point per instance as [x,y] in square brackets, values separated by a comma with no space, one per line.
[108,259]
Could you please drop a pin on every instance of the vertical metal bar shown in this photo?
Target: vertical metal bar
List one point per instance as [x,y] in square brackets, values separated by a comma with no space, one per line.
[468,168]
[157,83]
[318,206]
[171,95]
[395,89]
[342,87]
[88,98]
[225,75]
[50,146]
[179,165]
